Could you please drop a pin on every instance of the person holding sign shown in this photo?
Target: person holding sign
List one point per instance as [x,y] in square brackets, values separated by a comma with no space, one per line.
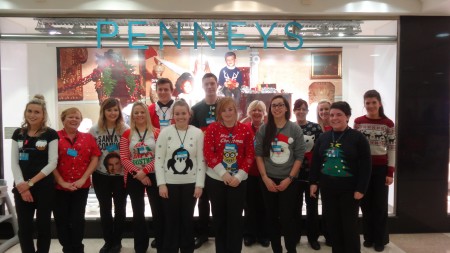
[78,155]
[229,154]
[180,174]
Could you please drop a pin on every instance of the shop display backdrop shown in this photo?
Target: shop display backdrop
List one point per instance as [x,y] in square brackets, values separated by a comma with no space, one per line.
[87,76]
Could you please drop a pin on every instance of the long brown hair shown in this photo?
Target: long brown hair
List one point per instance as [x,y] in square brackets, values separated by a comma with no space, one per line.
[107,104]
[271,128]
[375,94]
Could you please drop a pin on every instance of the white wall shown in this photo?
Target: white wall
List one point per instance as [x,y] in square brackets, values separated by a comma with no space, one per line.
[14,74]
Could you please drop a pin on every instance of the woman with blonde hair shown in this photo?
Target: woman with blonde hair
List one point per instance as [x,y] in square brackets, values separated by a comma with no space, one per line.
[109,185]
[255,215]
[323,115]
[137,153]
[77,159]
[34,155]
[229,154]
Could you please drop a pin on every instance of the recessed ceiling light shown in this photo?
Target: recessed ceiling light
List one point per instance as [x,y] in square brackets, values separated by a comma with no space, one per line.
[442,35]
[374,55]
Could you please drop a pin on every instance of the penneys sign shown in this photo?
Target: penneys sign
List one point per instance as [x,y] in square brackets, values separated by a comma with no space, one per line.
[292,38]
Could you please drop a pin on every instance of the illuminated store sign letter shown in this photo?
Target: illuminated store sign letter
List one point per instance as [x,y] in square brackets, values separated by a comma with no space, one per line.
[131,35]
[161,36]
[292,34]
[232,35]
[261,32]
[101,25]
[198,28]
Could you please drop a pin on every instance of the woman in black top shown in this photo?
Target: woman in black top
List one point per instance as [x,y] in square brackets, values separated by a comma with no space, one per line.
[34,156]
[341,165]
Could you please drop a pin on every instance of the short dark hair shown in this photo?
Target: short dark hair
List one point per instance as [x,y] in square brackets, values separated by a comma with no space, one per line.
[343,106]
[208,75]
[164,81]
[298,103]
[227,54]
[109,156]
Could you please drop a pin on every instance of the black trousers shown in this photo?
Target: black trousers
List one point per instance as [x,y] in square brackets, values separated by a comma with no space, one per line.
[342,219]
[204,210]
[178,214]
[374,207]
[227,204]
[282,211]
[43,195]
[312,213]
[69,214]
[255,218]
[136,190]
[109,189]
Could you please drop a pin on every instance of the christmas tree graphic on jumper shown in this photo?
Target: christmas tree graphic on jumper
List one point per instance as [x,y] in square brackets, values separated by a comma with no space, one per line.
[335,164]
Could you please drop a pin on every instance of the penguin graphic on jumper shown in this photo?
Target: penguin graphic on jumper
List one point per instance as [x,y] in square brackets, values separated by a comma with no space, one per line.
[180,162]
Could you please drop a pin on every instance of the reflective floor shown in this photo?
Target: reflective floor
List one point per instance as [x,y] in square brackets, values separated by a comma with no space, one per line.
[400,243]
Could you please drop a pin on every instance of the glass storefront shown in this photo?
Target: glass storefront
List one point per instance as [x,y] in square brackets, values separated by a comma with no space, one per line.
[59,58]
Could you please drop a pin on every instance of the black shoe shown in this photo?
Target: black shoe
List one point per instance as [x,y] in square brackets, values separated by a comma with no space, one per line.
[249,241]
[116,248]
[199,241]
[153,244]
[105,248]
[315,245]
[368,244]
[379,247]
[264,242]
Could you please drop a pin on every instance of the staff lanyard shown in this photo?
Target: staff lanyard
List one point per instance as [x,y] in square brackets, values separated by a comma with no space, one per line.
[278,132]
[230,133]
[179,137]
[141,138]
[164,112]
[342,135]
[111,135]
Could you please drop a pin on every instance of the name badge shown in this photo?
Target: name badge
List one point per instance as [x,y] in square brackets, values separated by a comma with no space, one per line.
[142,150]
[24,156]
[210,120]
[276,148]
[72,152]
[164,122]
[112,148]
[182,154]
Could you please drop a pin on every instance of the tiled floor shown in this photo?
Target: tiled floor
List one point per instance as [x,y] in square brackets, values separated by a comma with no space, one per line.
[401,243]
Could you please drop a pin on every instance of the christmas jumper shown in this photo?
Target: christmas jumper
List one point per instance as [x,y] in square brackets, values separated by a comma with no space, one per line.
[290,147]
[161,115]
[311,133]
[254,169]
[341,160]
[230,75]
[31,155]
[203,114]
[108,142]
[381,136]
[179,157]
[137,154]
[74,156]
[228,150]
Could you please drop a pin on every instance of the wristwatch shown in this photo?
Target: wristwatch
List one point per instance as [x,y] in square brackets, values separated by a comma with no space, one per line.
[30,183]
[291,178]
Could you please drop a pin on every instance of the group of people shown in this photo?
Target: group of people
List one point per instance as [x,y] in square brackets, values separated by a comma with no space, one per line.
[178,155]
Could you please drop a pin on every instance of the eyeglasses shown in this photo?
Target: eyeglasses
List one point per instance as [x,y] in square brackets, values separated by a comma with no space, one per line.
[281,105]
